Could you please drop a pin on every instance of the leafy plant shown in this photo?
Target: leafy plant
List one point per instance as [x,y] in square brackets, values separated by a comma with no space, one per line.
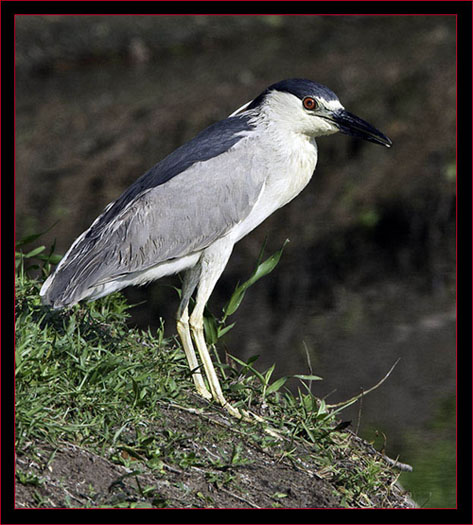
[40,259]
[217,328]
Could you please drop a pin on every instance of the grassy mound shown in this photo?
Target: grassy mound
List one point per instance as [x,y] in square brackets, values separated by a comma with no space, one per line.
[108,416]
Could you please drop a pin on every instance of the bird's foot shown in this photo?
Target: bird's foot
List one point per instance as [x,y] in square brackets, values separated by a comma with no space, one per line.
[267,429]
[233,411]
[202,391]
[250,417]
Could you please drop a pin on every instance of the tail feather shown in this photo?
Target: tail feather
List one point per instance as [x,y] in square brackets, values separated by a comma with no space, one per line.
[74,279]
[55,294]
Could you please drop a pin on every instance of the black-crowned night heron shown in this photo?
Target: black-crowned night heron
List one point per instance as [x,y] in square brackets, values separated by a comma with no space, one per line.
[189,210]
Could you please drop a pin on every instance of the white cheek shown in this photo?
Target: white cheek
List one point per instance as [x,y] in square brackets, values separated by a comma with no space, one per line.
[323,126]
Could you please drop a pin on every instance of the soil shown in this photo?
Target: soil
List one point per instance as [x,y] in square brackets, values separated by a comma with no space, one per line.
[72,476]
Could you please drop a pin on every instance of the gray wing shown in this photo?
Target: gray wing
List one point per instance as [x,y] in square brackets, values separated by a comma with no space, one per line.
[183,215]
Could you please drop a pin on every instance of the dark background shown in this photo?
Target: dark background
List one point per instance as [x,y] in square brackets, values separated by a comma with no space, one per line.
[369,274]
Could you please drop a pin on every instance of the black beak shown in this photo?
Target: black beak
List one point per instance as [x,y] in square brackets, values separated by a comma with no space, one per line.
[352,125]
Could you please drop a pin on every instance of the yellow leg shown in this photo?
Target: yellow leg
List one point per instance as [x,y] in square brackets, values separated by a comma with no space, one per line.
[210,267]
[206,273]
[185,335]
[198,333]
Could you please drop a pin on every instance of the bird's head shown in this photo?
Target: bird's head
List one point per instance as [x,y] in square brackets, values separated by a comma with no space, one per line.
[307,107]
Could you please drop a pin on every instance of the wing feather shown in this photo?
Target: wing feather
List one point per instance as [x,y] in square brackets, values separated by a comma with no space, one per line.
[181,216]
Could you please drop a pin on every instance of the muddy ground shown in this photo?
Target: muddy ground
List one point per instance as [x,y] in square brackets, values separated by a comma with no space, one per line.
[71,476]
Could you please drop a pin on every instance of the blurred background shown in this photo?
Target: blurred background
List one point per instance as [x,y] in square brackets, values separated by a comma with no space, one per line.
[369,274]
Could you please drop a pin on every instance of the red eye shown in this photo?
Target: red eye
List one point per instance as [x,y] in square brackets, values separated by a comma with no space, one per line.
[309,103]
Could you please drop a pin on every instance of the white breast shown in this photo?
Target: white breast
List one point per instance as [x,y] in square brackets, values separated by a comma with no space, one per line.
[290,165]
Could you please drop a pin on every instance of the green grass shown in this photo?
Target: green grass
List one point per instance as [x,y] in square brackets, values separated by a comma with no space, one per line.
[78,371]
[84,377]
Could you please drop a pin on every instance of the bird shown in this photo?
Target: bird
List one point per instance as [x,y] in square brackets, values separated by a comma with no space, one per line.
[188,211]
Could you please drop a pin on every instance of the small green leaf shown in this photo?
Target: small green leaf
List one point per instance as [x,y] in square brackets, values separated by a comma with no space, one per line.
[34,236]
[235,301]
[239,361]
[268,265]
[308,378]
[28,239]
[322,410]
[34,252]
[52,259]
[276,385]
[269,373]
[262,269]
[309,432]
[222,331]
[211,329]
[247,366]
